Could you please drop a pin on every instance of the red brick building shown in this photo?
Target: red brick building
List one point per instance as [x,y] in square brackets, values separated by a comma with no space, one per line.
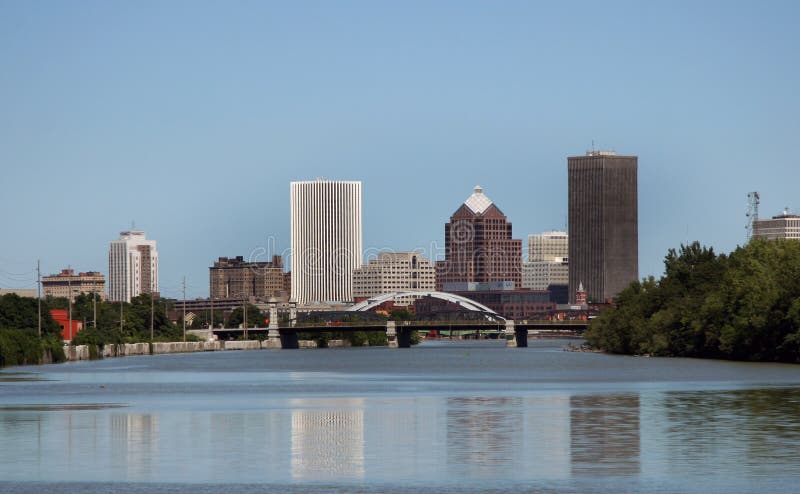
[479,246]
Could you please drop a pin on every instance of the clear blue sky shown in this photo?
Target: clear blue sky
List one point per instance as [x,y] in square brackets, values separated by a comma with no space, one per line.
[191,118]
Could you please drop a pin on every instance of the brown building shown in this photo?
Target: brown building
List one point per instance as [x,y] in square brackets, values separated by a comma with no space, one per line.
[67,284]
[603,224]
[479,246]
[236,278]
[784,225]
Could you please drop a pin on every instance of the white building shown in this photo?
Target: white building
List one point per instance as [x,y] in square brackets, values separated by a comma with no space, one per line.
[547,246]
[538,275]
[394,272]
[326,239]
[785,225]
[132,266]
[547,260]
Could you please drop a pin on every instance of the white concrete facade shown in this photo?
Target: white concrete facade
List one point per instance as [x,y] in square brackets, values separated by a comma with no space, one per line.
[394,272]
[326,239]
[538,275]
[547,260]
[548,246]
[132,266]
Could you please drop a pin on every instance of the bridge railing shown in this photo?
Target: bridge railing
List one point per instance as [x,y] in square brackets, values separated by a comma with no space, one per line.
[439,323]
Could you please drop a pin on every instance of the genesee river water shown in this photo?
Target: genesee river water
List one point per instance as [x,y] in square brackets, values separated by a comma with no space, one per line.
[446,416]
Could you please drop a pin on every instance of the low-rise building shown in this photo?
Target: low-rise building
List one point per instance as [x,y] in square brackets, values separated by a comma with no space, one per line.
[505,299]
[67,284]
[233,277]
[69,327]
[784,225]
[394,272]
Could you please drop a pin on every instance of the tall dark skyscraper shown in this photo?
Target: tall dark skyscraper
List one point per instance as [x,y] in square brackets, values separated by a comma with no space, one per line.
[603,224]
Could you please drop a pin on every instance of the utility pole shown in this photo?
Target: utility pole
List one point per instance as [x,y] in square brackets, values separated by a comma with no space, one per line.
[120,316]
[69,297]
[94,307]
[39,290]
[152,315]
[184,308]
[244,318]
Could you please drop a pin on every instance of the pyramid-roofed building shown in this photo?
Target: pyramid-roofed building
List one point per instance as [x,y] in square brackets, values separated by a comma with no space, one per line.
[479,246]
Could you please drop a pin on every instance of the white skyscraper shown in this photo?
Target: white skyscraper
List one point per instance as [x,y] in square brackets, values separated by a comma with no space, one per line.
[132,266]
[326,239]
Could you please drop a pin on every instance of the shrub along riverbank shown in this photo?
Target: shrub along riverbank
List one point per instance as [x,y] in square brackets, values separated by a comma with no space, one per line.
[742,306]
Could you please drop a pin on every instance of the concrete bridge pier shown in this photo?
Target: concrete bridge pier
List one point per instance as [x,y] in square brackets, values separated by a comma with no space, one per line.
[289,339]
[403,338]
[391,334]
[515,338]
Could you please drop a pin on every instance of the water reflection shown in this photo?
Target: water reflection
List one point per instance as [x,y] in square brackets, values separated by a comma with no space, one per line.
[604,434]
[328,444]
[483,435]
[744,430]
[546,434]
[134,442]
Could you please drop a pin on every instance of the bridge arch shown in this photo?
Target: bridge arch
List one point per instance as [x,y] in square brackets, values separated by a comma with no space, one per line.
[465,302]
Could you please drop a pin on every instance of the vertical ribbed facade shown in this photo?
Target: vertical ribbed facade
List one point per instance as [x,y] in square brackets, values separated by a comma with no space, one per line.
[326,239]
[132,266]
[603,224]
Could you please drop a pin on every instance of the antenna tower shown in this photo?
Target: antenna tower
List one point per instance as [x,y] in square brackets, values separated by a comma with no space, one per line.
[753,200]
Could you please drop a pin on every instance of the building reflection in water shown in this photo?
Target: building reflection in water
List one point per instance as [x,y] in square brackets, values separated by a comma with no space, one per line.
[484,435]
[604,434]
[328,443]
[546,436]
[134,444]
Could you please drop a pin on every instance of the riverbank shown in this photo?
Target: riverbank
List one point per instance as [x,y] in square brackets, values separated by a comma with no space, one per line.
[90,352]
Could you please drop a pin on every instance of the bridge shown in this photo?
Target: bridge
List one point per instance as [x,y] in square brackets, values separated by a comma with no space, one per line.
[398,333]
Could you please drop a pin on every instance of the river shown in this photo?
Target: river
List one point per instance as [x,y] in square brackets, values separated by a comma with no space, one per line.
[444,416]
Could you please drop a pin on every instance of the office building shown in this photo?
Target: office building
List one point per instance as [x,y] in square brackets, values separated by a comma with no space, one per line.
[132,266]
[547,267]
[784,225]
[235,278]
[394,272]
[326,240]
[67,284]
[603,224]
[548,246]
[479,246]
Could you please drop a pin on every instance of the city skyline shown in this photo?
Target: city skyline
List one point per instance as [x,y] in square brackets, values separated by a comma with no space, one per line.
[195,136]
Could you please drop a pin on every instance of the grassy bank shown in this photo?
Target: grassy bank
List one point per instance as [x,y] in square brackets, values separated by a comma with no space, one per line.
[24,347]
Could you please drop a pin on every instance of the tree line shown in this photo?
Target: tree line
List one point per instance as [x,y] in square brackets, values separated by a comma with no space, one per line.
[740,306]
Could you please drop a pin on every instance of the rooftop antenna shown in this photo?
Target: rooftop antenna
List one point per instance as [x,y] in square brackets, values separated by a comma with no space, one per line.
[753,200]
[133,224]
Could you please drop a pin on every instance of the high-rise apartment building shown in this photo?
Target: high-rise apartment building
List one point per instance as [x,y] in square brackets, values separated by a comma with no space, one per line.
[603,224]
[67,284]
[132,266]
[479,246]
[233,277]
[784,225]
[326,239]
[394,272]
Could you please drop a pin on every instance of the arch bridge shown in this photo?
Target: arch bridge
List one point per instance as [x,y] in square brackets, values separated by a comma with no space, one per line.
[464,302]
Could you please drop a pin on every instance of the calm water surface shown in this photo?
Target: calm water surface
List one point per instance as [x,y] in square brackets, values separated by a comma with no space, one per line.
[446,416]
